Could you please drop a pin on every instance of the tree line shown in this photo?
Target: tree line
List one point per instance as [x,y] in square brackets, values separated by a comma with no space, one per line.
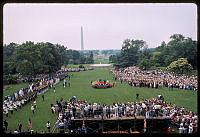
[30,59]
[136,52]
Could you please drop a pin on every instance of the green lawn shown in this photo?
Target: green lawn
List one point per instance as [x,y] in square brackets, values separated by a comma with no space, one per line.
[9,89]
[80,87]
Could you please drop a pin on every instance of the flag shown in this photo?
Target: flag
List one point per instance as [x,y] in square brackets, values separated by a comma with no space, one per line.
[145,123]
[83,125]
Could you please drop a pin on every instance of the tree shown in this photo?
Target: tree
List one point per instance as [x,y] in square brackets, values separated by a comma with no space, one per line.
[82,59]
[130,53]
[8,51]
[178,47]
[144,64]
[32,59]
[91,57]
[113,58]
[75,57]
[180,66]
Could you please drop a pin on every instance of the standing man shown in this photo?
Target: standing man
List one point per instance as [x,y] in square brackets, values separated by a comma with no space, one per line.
[64,84]
[43,97]
[20,127]
[74,111]
[32,108]
[34,104]
[48,125]
[11,109]
[137,96]
[69,84]
[5,111]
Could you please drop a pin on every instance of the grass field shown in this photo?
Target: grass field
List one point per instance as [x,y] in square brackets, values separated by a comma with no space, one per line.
[80,87]
[9,89]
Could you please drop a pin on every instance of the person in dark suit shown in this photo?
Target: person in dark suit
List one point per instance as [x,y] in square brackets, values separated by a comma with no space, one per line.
[137,96]
[43,97]
[20,127]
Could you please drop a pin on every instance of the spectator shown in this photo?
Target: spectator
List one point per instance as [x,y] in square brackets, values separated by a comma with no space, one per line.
[54,88]
[155,78]
[20,127]
[43,97]
[64,83]
[5,111]
[32,108]
[11,109]
[137,96]
[34,104]
[48,125]
[147,108]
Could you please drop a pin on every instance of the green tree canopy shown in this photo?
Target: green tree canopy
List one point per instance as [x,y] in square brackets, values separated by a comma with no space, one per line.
[180,66]
[130,52]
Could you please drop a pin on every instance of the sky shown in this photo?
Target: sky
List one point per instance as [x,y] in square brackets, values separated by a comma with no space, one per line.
[105,26]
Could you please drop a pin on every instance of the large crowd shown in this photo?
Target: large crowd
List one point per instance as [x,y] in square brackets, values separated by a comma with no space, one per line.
[75,69]
[18,99]
[66,110]
[155,78]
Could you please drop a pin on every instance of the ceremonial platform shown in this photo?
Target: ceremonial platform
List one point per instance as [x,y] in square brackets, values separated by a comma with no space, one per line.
[125,125]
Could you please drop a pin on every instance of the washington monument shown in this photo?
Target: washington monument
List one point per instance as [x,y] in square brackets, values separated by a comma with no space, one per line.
[82,48]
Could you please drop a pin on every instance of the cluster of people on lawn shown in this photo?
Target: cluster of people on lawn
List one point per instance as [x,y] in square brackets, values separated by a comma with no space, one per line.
[102,83]
[22,128]
[155,78]
[32,78]
[155,107]
[16,100]
[75,69]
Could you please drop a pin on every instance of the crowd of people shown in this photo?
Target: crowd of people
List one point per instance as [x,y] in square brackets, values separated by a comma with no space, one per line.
[18,99]
[66,110]
[33,79]
[155,78]
[75,69]
[69,109]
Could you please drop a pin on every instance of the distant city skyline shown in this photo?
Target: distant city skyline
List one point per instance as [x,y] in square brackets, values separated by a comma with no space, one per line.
[105,26]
